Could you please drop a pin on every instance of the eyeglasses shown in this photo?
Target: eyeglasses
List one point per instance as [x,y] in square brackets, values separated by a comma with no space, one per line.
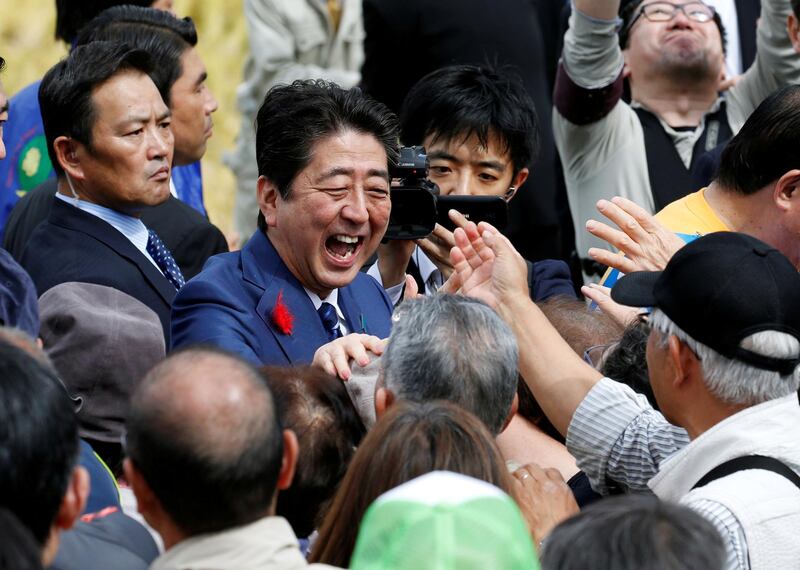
[665,11]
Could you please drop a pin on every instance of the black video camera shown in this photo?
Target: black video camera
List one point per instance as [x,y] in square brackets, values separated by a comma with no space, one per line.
[417,206]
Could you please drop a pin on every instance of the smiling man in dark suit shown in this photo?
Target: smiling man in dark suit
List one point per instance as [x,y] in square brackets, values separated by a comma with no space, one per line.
[108,134]
[323,196]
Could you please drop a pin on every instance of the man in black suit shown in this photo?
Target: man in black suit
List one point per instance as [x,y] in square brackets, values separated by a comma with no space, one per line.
[109,138]
[180,78]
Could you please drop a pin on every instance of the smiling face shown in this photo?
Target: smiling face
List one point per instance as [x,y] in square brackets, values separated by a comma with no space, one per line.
[127,166]
[336,213]
[680,47]
[192,105]
[465,167]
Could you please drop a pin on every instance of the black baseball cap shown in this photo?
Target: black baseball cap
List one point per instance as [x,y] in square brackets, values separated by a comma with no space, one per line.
[721,288]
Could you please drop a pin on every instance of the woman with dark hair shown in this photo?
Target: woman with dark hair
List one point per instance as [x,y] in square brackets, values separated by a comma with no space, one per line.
[317,408]
[409,441]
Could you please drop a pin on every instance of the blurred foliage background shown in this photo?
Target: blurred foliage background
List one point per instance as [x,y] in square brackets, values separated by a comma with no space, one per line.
[29,47]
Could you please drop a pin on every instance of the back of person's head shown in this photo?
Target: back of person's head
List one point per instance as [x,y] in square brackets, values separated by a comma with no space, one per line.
[38,439]
[763,150]
[448,347]
[72,15]
[18,549]
[293,118]
[204,436]
[460,101]
[626,360]
[102,342]
[317,408]
[65,94]
[408,441]
[582,328]
[634,532]
[157,32]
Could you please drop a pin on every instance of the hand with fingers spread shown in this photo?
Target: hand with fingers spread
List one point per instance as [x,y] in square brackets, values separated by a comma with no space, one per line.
[487,265]
[621,314]
[544,498]
[335,357]
[644,244]
[437,246]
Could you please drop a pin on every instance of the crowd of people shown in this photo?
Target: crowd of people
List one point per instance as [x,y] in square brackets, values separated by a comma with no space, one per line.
[568,392]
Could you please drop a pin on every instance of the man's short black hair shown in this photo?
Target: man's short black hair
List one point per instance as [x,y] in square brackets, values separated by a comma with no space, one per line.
[209,473]
[766,147]
[465,100]
[72,15]
[65,94]
[628,10]
[38,439]
[157,32]
[634,532]
[293,118]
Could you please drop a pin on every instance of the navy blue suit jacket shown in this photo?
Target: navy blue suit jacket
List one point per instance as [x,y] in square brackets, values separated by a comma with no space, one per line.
[72,245]
[230,303]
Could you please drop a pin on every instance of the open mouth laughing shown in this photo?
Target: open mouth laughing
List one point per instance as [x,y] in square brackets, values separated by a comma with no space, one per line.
[343,247]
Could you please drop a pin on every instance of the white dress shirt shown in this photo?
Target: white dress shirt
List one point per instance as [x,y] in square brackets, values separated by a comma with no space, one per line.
[333,299]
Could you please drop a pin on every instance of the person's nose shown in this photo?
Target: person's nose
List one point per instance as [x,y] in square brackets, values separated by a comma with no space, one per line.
[211,103]
[355,210]
[462,185]
[160,143]
[680,19]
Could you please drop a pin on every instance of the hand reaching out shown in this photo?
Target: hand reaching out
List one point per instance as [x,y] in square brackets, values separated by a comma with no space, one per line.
[335,357]
[646,244]
[544,498]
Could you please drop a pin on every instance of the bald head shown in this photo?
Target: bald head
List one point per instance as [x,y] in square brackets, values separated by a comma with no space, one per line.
[203,424]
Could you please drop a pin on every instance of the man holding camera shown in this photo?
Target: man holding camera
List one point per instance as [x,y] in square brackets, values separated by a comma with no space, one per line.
[297,285]
[480,131]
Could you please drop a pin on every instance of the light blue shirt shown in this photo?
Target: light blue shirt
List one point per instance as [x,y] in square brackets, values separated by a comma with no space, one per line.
[132,228]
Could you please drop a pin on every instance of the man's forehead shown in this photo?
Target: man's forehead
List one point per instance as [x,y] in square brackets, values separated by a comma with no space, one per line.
[493,144]
[126,95]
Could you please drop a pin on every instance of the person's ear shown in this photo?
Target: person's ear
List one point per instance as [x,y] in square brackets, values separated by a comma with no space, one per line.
[626,68]
[683,361]
[520,178]
[68,154]
[291,449]
[146,501]
[512,412]
[384,398]
[74,499]
[267,195]
[785,193]
[793,27]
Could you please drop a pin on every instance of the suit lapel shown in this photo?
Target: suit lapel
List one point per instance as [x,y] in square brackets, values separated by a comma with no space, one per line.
[76,219]
[356,320]
[262,267]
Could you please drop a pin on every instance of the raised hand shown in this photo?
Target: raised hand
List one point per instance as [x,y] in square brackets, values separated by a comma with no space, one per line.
[646,244]
[335,357]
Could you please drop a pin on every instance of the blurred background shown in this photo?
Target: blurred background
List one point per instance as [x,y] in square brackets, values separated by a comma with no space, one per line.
[29,47]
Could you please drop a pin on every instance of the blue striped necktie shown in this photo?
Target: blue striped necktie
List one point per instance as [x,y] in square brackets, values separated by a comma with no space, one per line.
[330,320]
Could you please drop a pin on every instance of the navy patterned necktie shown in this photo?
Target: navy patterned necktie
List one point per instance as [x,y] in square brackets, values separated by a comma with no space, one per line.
[163,258]
[330,320]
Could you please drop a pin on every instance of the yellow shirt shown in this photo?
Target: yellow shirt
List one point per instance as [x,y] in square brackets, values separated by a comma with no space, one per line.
[691,216]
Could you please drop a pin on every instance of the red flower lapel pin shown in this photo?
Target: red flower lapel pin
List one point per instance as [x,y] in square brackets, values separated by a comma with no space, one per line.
[281,316]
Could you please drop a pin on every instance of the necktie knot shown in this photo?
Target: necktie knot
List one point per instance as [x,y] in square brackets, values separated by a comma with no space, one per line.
[163,258]
[330,320]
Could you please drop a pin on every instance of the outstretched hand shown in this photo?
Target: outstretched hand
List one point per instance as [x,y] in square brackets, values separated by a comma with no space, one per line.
[644,244]
[544,498]
[335,357]
[486,265]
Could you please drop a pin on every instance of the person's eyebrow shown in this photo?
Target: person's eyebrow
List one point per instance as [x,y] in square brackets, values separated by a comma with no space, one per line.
[442,155]
[493,164]
[201,78]
[137,119]
[338,171]
[4,108]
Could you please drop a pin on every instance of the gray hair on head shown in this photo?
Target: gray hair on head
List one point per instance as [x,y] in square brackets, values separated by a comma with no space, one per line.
[733,381]
[447,347]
